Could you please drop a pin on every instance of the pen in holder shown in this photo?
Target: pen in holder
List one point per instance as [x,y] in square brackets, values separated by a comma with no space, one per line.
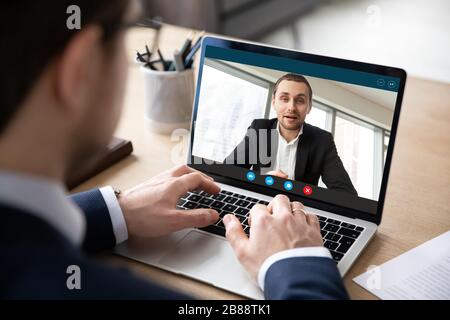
[169,87]
[168,98]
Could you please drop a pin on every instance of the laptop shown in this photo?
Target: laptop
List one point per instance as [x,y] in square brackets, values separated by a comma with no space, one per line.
[339,167]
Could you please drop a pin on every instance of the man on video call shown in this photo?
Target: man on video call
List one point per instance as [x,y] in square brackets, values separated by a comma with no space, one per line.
[303,152]
[60,104]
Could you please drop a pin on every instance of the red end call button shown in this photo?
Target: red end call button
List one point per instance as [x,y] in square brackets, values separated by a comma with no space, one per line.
[307,190]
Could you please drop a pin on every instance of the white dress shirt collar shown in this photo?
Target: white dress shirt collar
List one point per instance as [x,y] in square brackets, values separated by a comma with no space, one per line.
[286,154]
[45,199]
[284,140]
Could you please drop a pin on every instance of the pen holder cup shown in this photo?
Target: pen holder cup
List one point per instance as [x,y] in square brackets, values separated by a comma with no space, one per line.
[168,98]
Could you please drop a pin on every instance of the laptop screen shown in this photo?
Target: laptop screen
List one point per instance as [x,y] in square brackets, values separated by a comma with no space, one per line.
[317,128]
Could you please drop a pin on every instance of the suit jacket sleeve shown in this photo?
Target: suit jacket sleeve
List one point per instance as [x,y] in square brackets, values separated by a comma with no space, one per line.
[99,228]
[313,278]
[334,174]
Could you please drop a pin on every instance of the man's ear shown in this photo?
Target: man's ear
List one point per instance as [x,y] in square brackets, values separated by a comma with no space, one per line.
[75,66]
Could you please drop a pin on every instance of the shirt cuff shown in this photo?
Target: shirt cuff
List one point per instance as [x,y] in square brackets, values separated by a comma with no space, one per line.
[116,214]
[321,252]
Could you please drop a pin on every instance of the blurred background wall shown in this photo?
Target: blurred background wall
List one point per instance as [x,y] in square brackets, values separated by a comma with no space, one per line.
[412,34]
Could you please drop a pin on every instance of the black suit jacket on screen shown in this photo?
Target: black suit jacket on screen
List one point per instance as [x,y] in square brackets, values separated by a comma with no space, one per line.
[316,156]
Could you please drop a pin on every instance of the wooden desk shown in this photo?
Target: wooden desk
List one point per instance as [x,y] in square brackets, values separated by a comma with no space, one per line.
[418,196]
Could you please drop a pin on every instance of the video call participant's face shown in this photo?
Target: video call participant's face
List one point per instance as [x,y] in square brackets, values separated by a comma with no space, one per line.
[291,103]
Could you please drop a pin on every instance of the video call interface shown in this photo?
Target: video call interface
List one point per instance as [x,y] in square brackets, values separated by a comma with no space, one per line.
[294,130]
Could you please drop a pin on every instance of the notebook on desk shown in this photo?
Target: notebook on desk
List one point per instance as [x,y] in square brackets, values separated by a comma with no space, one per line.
[422,273]
[116,150]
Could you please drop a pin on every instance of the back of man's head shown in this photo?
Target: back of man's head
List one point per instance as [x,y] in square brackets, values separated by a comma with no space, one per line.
[34,33]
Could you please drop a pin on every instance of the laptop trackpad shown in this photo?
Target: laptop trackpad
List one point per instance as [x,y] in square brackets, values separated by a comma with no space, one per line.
[209,259]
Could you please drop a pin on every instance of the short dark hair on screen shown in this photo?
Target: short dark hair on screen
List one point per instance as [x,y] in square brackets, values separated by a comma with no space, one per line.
[293,77]
[33,33]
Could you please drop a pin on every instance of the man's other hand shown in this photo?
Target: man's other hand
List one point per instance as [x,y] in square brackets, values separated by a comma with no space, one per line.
[280,226]
[277,173]
[150,208]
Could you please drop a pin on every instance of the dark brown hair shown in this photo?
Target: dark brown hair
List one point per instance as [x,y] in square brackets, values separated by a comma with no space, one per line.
[32,33]
[296,78]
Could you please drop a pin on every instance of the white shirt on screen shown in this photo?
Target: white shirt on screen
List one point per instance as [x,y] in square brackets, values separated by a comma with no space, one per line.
[286,155]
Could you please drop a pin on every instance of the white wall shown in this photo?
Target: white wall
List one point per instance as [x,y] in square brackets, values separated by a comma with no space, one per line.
[328,92]
[410,34]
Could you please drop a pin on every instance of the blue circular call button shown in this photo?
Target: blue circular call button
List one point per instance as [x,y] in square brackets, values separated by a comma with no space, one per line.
[288,185]
[251,176]
[269,180]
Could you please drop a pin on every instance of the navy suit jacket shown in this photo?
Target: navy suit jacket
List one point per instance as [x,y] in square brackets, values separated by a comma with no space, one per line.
[34,259]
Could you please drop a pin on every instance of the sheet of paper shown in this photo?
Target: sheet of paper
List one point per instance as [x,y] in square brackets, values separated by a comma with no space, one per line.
[421,273]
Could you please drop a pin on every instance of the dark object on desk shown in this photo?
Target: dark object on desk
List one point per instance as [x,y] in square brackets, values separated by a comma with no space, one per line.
[117,150]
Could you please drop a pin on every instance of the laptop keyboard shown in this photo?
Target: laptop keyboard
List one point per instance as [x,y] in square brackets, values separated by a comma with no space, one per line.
[338,236]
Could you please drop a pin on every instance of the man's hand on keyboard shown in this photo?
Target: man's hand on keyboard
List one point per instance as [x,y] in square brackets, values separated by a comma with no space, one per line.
[280,226]
[150,208]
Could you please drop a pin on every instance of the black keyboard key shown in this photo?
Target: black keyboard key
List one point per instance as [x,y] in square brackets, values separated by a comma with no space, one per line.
[220,223]
[202,206]
[323,233]
[229,207]
[190,205]
[346,243]
[241,211]
[331,227]
[349,232]
[333,237]
[330,245]
[222,213]
[263,202]
[241,218]
[240,196]
[337,256]
[247,230]
[181,202]
[348,225]
[242,203]
[346,240]
[218,196]
[336,222]
[230,200]
[217,205]
[194,197]
[203,193]
[228,193]
[322,224]
[251,199]
[343,248]
[215,230]
[321,218]
[251,205]
[359,229]
[206,201]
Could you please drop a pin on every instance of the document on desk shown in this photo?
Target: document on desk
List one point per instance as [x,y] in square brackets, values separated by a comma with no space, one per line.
[421,273]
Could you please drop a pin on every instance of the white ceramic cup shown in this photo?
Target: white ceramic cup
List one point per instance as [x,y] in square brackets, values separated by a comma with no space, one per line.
[169,96]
